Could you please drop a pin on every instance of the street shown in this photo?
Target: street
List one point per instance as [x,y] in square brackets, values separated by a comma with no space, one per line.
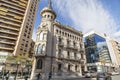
[114,77]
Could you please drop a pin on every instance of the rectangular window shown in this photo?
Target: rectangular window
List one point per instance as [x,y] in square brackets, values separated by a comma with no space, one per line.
[68,43]
[76,68]
[82,56]
[68,55]
[59,53]
[69,67]
[59,67]
[75,56]
[24,34]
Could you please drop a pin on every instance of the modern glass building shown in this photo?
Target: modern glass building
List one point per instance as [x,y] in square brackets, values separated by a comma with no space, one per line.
[96,51]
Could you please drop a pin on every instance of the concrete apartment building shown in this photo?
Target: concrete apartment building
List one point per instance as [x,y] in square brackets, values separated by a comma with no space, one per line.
[59,49]
[100,53]
[31,50]
[16,26]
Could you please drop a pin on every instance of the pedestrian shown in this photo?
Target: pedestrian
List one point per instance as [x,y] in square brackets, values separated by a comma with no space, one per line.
[26,77]
[38,76]
[50,75]
[7,76]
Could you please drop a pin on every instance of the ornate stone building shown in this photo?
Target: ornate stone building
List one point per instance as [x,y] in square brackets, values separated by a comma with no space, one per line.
[59,49]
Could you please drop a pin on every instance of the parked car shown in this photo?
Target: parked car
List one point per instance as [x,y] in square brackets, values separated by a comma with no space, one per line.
[89,74]
[103,76]
[115,73]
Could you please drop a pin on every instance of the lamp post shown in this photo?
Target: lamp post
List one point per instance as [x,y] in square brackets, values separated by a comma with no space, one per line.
[27,72]
[23,66]
[17,70]
[27,65]
[4,70]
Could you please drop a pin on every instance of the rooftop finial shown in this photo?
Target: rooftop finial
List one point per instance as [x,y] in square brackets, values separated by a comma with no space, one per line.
[50,4]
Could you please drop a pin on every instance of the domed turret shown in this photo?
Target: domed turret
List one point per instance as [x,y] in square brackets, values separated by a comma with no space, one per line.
[48,13]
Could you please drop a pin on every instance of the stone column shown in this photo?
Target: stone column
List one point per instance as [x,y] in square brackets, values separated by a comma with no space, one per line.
[32,77]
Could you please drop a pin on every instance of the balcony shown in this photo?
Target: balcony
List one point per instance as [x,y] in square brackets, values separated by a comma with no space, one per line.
[22,4]
[3,9]
[4,48]
[8,32]
[9,28]
[6,17]
[11,3]
[8,38]
[73,58]
[13,7]
[16,12]
[74,47]
[60,43]
[42,54]
[82,60]
[69,46]
[81,51]
[76,58]
[68,58]
[10,43]
[23,1]
[60,56]
[13,24]
[42,29]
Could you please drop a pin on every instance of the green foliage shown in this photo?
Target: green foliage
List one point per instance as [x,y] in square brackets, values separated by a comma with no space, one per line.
[21,59]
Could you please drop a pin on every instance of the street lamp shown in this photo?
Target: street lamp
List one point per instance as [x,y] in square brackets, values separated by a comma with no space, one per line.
[4,70]
[27,65]
[23,66]
[17,70]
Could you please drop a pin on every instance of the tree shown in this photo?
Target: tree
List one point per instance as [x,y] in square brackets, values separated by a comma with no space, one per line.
[21,61]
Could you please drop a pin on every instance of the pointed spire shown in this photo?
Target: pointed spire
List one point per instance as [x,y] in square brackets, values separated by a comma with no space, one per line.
[50,4]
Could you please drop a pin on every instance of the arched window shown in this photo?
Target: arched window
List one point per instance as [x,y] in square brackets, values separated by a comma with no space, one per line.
[44,36]
[39,49]
[40,35]
[48,16]
[43,47]
[39,64]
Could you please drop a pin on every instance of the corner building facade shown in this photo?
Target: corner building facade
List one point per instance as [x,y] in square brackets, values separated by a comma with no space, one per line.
[59,49]
[16,25]
[100,53]
[116,49]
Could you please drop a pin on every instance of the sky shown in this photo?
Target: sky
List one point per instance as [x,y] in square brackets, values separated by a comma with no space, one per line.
[102,16]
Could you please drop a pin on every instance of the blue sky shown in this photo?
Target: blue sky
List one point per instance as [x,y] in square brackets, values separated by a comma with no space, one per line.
[102,16]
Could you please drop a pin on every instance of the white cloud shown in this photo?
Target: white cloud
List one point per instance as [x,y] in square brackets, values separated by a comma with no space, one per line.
[101,44]
[88,15]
